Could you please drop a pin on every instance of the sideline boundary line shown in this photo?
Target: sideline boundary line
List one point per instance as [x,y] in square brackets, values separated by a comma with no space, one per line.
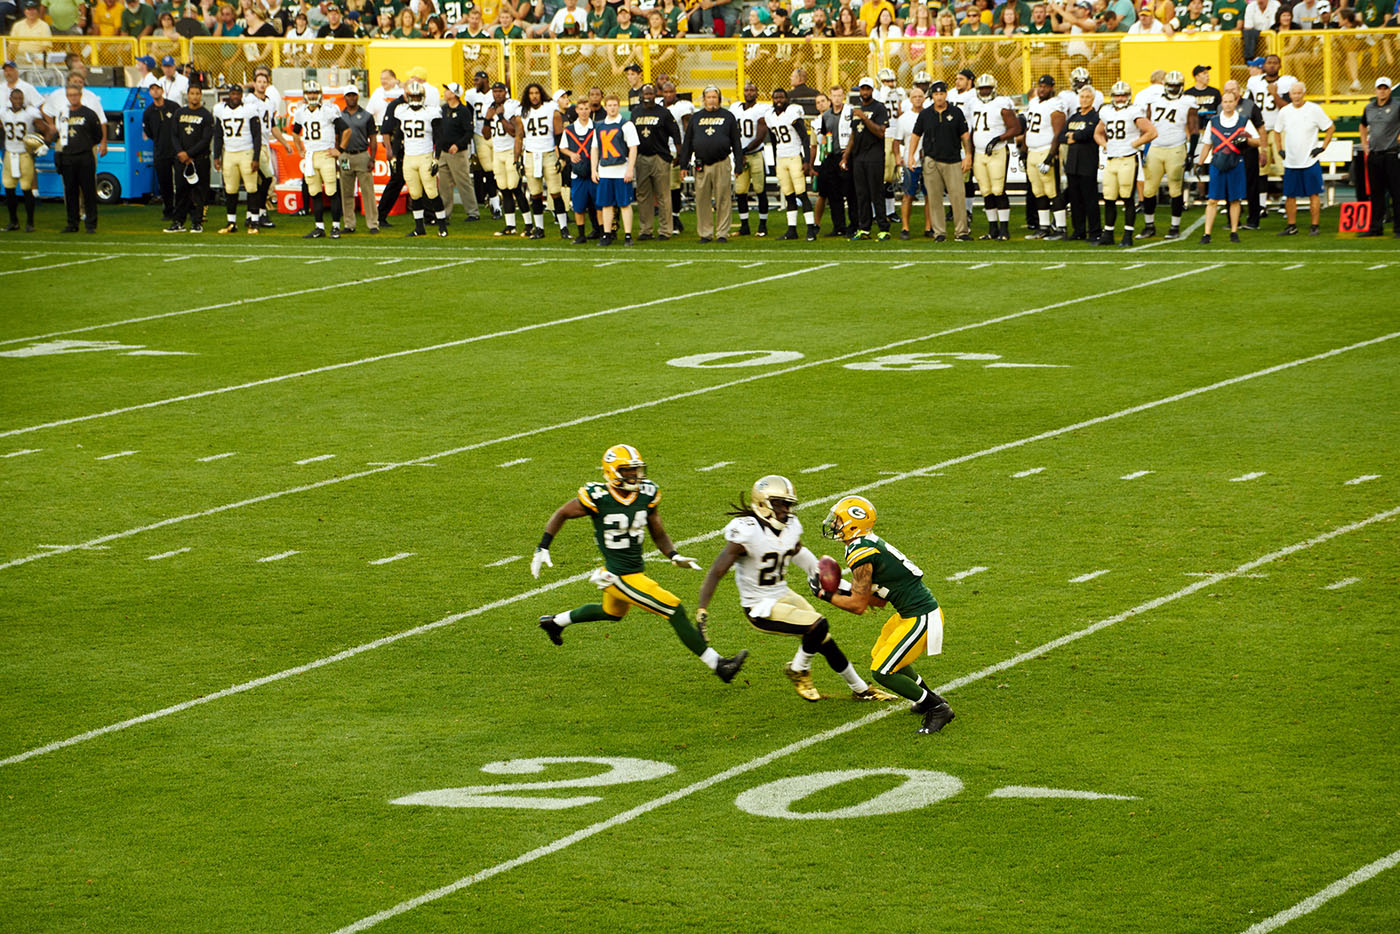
[554,585]
[760,761]
[584,419]
[410,351]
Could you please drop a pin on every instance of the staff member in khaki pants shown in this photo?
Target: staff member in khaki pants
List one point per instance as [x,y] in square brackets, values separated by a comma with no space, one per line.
[455,158]
[656,129]
[947,156]
[712,140]
[354,129]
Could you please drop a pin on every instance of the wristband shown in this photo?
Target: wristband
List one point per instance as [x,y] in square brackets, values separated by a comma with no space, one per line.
[672,555]
[545,539]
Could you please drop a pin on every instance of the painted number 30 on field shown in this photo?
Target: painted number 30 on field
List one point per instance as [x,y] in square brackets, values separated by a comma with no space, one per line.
[918,789]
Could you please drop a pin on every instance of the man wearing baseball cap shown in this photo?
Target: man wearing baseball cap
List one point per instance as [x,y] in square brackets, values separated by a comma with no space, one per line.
[355,129]
[13,82]
[145,71]
[865,157]
[1380,139]
[457,130]
[175,85]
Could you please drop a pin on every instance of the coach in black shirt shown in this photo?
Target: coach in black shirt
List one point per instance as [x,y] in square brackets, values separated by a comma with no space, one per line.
[865,157]
[1082,168]
[193,138]
[457,130]
[80,132]
[656,131]
[947,145]
[157,121]
[712,139]
[389,127]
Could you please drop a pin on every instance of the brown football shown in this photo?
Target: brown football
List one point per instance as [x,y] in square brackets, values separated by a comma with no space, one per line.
[829,573]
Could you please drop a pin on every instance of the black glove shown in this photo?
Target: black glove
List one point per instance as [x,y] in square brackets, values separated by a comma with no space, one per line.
[1316,152]
[433,169]
[815,585]
[991,147]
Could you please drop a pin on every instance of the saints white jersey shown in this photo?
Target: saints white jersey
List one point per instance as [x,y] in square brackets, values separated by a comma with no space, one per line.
[236,126]
[681,110]
[761,572]
[1169,117]
[784,129]
[894,99]
[1147,95]
[1040,121]
[317,127]
[539,127]
[416,123]
[479,101]
[1258,90]
[18,125]
[986,120]
[964,101]
[1070,98]
[748,118]
[1120,127]
[501,141]
[267,111]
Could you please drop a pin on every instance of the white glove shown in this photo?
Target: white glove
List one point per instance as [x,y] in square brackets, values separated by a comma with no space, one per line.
[540,559]
[602,578]
[681,561]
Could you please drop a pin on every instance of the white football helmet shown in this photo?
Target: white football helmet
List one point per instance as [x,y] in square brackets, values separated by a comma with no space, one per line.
[34,145]
[886,74]
[1174,83]
[1121,89]
[769,490]
[311,93]
[415,92]
[986,87]
[923,77]
[1079,78]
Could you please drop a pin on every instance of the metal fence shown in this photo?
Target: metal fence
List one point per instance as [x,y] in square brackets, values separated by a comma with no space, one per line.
[1340,64]
[97,51]
[226,61]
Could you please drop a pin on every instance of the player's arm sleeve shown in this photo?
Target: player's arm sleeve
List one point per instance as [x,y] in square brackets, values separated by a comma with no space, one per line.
[257,134]
[800,126]
[806,560]
[437,136]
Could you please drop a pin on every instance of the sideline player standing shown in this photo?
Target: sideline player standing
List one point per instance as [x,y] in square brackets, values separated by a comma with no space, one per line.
[787,128]
[761,540]
[1174,116]
[313,127]
[623,509]
[880,569]
[542,125]
[237,142]
[994,125]
[753,131]
[1045,121]
[20,121]
[1122,132]
[502,123]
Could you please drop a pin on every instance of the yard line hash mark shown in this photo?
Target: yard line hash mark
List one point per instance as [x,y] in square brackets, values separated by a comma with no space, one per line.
[22,452]
[1027,473]
[108,457]
[1135,266]
[1027,791]
[248,259]
[752,265]
[504,561]
[968,573]
[176,259]
[554,322]
[167,554]
[216,457]
[76,262]
[901,266]
[1056,266]
[980,266]
[760,761]
[537,262]
[1135,474]
[312,460]
[388,262]
[1084,578]
[1375,267]
[278,557]
[1294,266]
[313,262]
[684,262]
[714,466]
[1313,902]
[817,469]
[926,471]
[1246,477]
[1357,481]
[518,460]
[398,557]
[1344,582]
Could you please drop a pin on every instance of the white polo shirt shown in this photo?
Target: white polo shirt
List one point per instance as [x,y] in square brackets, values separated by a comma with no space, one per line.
[1300,126]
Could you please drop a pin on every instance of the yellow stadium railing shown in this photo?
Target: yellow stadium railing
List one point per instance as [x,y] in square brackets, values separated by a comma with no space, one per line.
[483,55]
[97,51]
[158,47]
[1339,64]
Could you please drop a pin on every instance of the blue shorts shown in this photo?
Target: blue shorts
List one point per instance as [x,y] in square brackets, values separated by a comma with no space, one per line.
[615,193]
[1227,186]
[584,194]
[913,184]
[1302,183]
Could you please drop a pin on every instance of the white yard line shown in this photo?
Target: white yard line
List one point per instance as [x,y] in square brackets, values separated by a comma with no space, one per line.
[900,266]
[1185,235]
[1056,266]
[176,259]
[22,452]
[980,266]
[684,262]
[964,574]
[535,262]
[1135,474]
[344,478]
[1364,478]
[250,259]
[76,262]
[504,561]
[518,460]
[1345,582]
[167,554]
[760,761]
[1293,267]
[1028,473]
[752,265]
[392,558]
[1375,267]
[1085,578]
[312,460]
[252,299]
[216,457]
[714,466]
[278,557]
[817,469]
[1028,791]
[555,322]
[1244,478]
[1137,265]
[388,262]
[1313,902]
[108,457]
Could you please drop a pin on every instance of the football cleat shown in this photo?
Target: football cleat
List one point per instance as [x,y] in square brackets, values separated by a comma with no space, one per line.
[11,227]
[197,228]
[789,234]
[335,233]
[729,667]
[904,235]
[1234,237]
[1127,238]
[442,230]
[1173,233]
[316,234]
[937,717]
[1054,234]
[175,228]
[1105,238]
[266,223]
[744,229]
[1149,230]
[580,239]
[873,693]
[1205,239]
[506,232]
[812,233]
[417,232]
[802,682]
[552,629]
[228,229]
[882,235]
[762,228]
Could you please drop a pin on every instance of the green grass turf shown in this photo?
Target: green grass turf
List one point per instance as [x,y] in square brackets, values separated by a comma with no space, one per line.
[1251,721]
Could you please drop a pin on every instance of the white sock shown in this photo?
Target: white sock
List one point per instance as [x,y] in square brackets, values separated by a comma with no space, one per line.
[1060,219]
[744,216]
[510,218]
[802,661]
[856,682]
[807,216]
[495,202]
[320,225]
[1004,215]
[539,221]
[792,218]
[991,215]
[563,220]
[710,657]
[1044,218]
[233,220]
[563,619]
[335,225]
[418,215]
[1176,220]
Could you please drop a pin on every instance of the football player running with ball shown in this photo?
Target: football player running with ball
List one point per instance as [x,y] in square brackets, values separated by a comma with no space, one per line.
[878,569]
[761,540]
[623,510]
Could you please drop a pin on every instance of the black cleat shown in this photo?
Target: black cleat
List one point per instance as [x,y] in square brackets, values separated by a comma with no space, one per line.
[442,230]
[727,667]
[335,233]
[1234,237]
[1173,233]
[417,232]
[789,234]
[1054,234]
[316,234]
[266,223]
[1205,239]
[1127,238]
[580,239]
[721,239]
[904,235]
[644,237]
[12,227]
[937,718]
[1105,239]
[552,629]
[1290,231]
[704,239]
[811,233]
[744,229]
[1149,230]
[626,239]
[503,232]
[763,228]
[963,238]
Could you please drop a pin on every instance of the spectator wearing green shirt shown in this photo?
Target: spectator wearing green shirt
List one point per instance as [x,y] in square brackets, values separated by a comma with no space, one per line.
[1023,12]
[1110,21]
[1227,14]
[602,21]
[138,19]
[407,27]
[63,15]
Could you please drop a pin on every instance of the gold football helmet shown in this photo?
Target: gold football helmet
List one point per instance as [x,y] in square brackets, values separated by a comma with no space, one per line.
[769,490]
[850,518]
[622,457]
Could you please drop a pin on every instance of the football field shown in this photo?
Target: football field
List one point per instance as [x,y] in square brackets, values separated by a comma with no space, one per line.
[269,656]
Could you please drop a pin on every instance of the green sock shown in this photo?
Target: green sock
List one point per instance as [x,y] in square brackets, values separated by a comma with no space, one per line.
[688,633]
[903,685]
[590,612]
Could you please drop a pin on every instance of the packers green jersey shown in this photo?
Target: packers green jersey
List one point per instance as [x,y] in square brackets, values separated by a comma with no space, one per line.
[620,525]
[893,577]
